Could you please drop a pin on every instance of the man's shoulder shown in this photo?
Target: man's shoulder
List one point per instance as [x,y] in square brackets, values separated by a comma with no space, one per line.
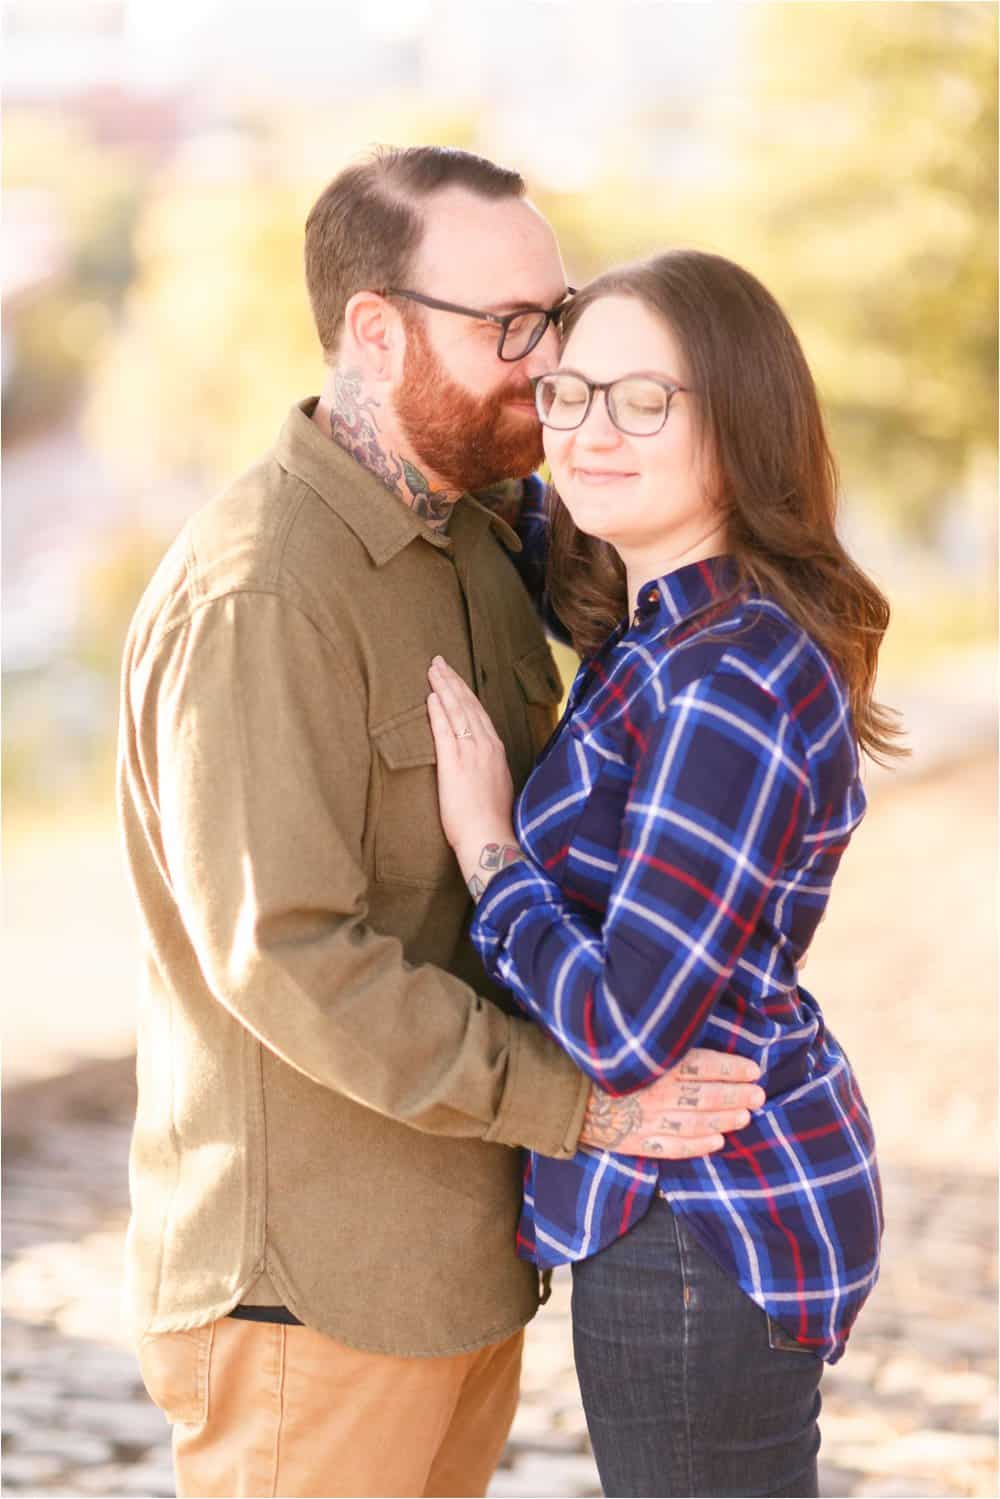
[269,529]
[267,532]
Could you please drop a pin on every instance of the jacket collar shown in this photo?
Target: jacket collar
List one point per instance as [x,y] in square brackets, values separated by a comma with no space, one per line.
[379,519]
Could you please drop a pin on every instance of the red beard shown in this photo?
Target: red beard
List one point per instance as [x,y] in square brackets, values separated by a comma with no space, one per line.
[466,441]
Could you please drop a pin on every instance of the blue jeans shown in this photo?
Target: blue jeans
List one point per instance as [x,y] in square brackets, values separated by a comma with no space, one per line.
[686,1386]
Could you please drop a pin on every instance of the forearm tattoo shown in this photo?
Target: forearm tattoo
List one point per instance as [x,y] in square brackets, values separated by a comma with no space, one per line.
[608,1121]
[354,427]
[494,857]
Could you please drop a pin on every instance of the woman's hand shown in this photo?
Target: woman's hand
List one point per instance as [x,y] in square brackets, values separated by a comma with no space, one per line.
[474,784]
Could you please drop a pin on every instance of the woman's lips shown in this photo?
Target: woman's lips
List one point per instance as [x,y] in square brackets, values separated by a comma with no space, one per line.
[602,475]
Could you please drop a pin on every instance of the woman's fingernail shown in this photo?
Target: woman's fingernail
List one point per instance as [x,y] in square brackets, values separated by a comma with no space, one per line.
[759,1098]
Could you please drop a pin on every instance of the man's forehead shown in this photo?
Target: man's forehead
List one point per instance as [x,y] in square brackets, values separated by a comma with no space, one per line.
[498,252]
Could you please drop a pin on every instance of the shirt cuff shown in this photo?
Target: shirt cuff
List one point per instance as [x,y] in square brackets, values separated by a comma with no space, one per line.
[545,1096]
[511,892]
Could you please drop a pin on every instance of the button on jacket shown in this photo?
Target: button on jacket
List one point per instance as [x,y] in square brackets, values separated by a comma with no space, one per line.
[682,831]
[326,1096]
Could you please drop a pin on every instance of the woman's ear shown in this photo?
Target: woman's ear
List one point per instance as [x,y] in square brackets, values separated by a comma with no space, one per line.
[373,336]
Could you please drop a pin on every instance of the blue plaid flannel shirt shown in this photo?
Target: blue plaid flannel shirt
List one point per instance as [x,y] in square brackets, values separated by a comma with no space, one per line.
[680,831]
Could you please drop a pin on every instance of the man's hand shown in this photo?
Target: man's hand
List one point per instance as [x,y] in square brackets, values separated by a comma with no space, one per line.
[685,1113]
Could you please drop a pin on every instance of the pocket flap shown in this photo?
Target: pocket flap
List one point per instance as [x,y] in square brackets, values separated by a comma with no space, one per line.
[539,677]
[406,740]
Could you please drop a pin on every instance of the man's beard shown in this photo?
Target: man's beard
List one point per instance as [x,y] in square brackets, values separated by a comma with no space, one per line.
[464,440]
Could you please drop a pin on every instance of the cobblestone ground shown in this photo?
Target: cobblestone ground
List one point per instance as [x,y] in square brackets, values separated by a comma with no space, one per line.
[911,1410]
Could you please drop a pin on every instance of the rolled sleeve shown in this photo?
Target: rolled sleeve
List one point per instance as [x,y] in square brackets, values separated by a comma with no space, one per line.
[545,1097]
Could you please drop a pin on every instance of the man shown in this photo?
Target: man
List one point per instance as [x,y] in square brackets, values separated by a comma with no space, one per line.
[320,1259]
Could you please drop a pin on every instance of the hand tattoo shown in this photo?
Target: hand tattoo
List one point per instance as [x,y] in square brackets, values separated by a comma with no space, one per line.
[608,1121]
[495,856]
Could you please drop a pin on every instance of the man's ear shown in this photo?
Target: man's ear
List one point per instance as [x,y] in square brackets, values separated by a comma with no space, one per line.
[373,335]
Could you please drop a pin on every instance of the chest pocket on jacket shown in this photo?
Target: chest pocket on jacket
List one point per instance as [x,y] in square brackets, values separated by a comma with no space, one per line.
[541,684]
[410,846]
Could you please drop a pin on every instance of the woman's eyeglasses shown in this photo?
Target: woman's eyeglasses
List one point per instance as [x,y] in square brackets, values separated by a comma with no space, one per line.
[638,405]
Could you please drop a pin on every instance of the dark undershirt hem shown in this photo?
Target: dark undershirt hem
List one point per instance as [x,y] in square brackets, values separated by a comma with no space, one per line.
[266,1314]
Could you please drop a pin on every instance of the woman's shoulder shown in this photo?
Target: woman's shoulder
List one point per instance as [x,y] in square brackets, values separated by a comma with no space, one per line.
[756,640]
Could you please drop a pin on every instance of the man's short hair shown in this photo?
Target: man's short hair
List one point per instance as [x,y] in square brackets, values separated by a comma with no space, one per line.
[363,229]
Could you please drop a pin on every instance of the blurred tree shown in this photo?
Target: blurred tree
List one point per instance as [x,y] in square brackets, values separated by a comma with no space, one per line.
[868,170]
[854,171]
[218,338]
[88,195]
[111,586]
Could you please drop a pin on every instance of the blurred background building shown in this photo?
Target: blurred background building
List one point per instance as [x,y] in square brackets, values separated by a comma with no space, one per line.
[159,162]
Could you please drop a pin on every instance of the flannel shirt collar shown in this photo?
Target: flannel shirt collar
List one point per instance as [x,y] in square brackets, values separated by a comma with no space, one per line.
[680,595]
[379,519]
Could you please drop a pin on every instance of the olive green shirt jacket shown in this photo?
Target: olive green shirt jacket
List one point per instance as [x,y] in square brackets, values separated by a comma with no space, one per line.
[329,1088]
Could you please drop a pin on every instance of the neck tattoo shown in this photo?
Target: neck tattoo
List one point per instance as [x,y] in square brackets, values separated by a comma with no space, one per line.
[354,427]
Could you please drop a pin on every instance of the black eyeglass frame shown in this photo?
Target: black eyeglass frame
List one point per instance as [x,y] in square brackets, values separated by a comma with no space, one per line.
[503,320]
[593,386]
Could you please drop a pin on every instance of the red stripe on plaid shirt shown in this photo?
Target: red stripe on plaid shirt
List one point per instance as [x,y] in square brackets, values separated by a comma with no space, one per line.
[683,878]
[618,694]
[833,1128]
[810,697]
[695,1023]
[800,1278]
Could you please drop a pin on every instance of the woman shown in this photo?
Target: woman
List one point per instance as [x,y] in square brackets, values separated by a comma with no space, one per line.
[673,854]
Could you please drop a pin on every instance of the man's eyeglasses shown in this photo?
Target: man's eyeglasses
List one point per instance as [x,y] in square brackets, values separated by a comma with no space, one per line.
[637,404]
[520,331]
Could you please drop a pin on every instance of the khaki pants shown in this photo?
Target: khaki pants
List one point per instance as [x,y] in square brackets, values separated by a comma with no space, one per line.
[259,1408]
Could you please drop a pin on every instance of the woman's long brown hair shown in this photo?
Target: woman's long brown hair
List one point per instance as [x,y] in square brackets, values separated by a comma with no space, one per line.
[760,417]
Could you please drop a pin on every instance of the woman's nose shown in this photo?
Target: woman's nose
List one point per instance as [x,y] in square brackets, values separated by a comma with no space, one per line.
[597,429]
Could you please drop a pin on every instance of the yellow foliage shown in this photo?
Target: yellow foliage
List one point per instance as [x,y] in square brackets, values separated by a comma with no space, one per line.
[855,173]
